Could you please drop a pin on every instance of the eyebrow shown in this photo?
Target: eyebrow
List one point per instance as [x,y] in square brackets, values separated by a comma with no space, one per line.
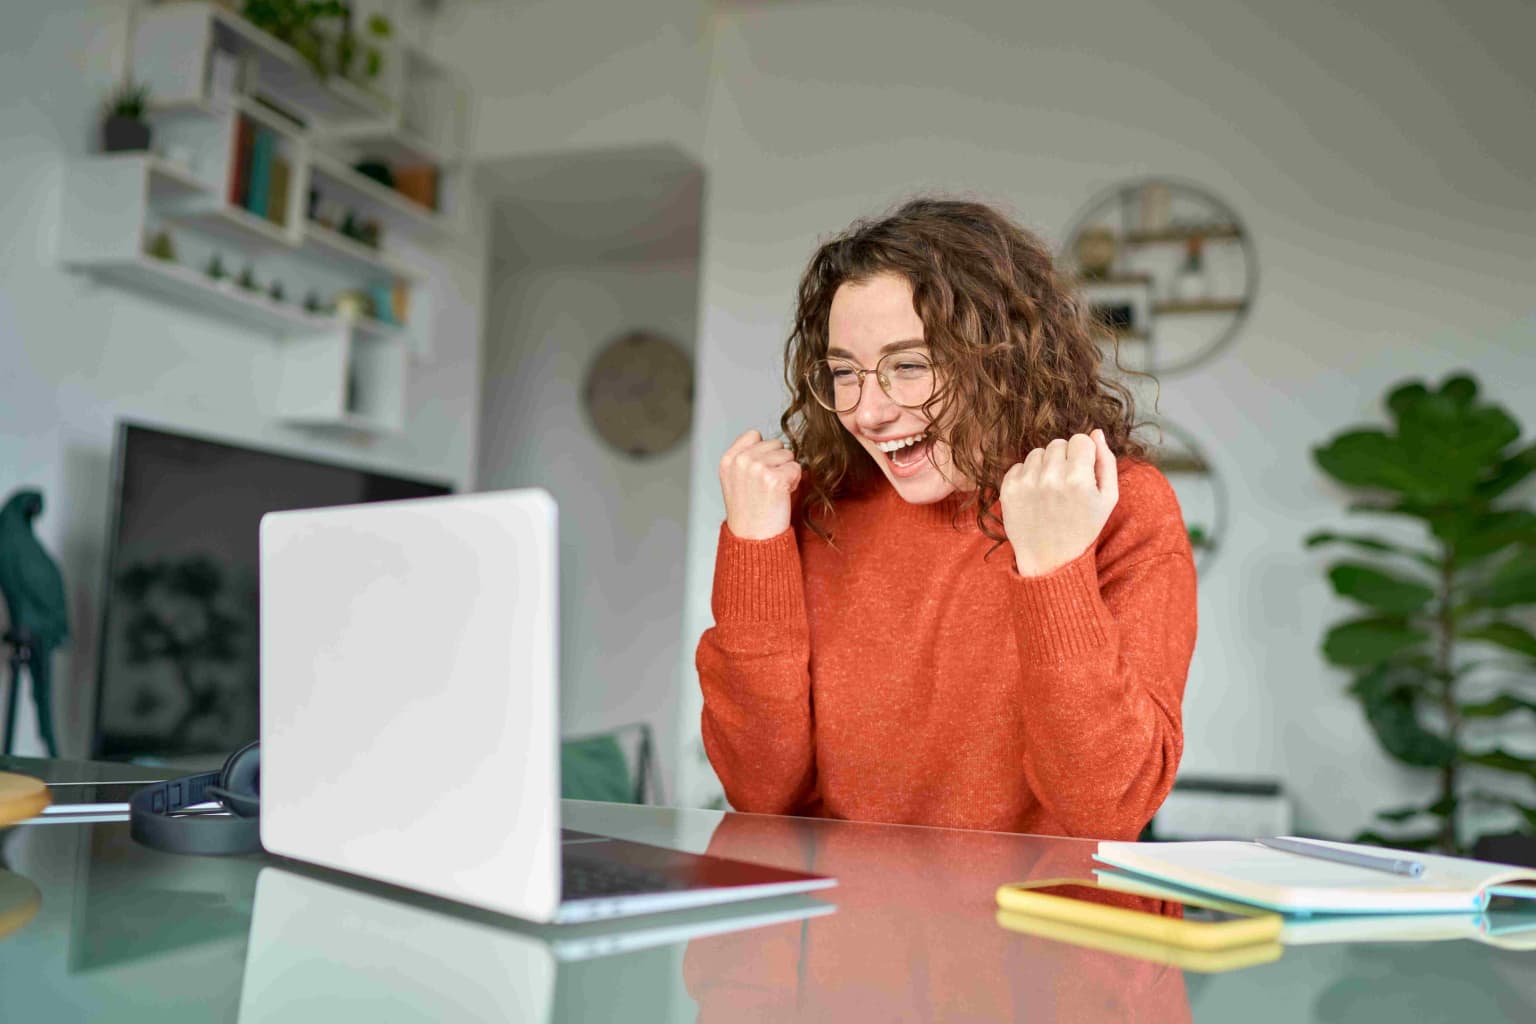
[890,346]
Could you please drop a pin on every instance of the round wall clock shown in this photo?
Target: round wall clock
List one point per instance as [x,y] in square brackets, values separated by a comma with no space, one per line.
[639,393]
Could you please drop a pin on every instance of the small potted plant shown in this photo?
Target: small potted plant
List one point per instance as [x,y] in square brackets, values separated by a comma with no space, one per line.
[123,128]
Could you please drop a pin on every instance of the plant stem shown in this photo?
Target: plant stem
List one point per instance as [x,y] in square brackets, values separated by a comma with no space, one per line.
[1450,839]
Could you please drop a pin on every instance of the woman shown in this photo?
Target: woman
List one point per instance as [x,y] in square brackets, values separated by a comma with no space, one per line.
[960,596]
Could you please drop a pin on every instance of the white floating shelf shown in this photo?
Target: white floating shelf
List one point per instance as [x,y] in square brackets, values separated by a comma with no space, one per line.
[347,421]
[167,180]
[413,214]
[195,290]
[333,246]
[235,225]
[166,34]
[397,146]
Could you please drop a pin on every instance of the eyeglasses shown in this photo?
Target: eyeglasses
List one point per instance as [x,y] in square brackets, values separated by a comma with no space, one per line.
[838,384]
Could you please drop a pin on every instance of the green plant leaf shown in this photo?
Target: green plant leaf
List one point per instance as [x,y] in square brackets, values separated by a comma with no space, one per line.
[1447,434]
[1504,761]
[1514,583]
[1380,590]
[1390,696]
[1509,473]
[1476,535]
[1367,543]
[1440,809]
[1526,811]
[1505,634]
[1494,707]
[1398,508]
[1370,458]
[1369,641]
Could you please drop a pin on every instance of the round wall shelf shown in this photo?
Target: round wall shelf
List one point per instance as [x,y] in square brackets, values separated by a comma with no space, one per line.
[1167,267]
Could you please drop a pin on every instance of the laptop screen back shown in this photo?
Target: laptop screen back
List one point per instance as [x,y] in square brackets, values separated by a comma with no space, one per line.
[409,709]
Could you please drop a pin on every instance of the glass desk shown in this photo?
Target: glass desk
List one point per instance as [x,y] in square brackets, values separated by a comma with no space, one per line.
[95,928]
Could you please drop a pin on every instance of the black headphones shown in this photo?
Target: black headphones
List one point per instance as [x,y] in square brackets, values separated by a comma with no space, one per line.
[237,786]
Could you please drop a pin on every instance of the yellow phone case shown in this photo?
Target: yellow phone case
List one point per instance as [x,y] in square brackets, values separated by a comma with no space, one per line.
[1020,898]
[1201,961]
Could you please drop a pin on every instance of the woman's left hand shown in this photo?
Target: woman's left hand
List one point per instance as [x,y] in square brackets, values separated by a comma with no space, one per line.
[1057,500]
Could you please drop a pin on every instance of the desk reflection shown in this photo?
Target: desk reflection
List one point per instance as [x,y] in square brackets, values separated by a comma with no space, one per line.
[325,949]
[915,936]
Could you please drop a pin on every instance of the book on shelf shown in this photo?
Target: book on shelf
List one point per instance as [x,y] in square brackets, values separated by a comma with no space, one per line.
[240,178]
[263,149]
[277,191]
[1291,883]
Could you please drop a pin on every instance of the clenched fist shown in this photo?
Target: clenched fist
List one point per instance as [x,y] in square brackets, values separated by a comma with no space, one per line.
[1057,500]
[757,478]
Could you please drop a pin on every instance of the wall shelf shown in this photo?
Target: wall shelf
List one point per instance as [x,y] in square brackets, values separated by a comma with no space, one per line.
[325,243]
[166,36]
[232,224]
[224,160]
[1180,234]
[167,179]
[394,205]
[1169,261]
[1118,281]
[195,290]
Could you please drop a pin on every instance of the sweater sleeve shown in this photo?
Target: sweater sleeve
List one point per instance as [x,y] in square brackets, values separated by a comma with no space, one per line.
[1106,641]
[754,670]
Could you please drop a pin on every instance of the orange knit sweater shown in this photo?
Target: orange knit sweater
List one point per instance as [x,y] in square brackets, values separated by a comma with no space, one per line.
[902,677]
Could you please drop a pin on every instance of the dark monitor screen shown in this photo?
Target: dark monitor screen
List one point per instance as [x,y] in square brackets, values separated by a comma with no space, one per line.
[178,661]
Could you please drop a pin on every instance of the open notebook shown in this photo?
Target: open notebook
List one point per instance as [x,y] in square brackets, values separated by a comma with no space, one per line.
[1294,884]
[1508,929]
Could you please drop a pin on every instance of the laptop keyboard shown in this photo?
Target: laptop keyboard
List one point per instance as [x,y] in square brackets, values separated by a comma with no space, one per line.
[585,879]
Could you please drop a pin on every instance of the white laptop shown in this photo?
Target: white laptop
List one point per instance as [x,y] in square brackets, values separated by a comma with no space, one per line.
[409,715]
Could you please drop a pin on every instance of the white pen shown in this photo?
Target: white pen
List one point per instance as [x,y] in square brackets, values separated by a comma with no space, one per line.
[1395,865]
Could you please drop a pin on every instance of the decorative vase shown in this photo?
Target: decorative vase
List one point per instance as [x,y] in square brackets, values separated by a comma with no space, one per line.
[121,134]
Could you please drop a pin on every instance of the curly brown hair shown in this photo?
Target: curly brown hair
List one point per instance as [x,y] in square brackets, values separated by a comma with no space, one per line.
[1018,356]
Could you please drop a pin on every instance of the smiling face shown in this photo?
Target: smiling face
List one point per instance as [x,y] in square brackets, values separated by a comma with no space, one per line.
[869,319]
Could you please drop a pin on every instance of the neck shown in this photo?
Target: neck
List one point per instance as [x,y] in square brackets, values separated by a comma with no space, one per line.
[956,510]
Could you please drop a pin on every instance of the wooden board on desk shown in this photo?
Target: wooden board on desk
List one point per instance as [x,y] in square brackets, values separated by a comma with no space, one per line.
[21,797]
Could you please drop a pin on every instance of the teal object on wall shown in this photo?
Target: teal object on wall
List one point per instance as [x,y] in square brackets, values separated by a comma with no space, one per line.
[595,769]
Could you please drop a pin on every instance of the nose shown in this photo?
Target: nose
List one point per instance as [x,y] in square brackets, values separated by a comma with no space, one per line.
[875,407]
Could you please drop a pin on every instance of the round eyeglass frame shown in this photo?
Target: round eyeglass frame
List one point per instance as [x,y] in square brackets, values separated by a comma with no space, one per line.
[883,379]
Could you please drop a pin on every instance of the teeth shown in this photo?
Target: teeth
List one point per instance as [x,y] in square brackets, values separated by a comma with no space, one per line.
[899,444]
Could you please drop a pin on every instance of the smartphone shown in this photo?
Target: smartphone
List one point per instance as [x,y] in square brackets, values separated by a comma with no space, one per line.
[1089,903]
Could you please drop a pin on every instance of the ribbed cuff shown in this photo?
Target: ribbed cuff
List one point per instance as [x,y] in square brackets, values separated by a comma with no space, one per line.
[1061,615]
[757,580]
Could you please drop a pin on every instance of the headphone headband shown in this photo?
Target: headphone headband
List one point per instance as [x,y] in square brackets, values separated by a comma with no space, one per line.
[150,811]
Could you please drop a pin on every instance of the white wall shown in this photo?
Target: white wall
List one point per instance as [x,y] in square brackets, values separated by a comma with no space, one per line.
[75,356]
[555,75]
[622,519]
[1379,154]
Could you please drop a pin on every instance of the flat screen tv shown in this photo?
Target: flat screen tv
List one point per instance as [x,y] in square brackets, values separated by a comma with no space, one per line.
[178,665]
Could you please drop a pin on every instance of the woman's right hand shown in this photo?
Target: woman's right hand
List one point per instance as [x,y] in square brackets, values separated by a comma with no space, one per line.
[757,478]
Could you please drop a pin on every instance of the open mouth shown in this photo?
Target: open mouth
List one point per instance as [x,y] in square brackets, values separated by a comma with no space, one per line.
[906,453]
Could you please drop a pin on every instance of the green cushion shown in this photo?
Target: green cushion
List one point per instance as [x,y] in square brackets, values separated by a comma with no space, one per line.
[594,769]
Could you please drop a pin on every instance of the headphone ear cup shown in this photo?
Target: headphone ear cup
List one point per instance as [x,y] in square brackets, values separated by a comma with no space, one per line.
[240,781]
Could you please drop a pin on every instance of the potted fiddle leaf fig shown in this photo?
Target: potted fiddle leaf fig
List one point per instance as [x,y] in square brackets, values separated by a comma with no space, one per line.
[1442,650]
